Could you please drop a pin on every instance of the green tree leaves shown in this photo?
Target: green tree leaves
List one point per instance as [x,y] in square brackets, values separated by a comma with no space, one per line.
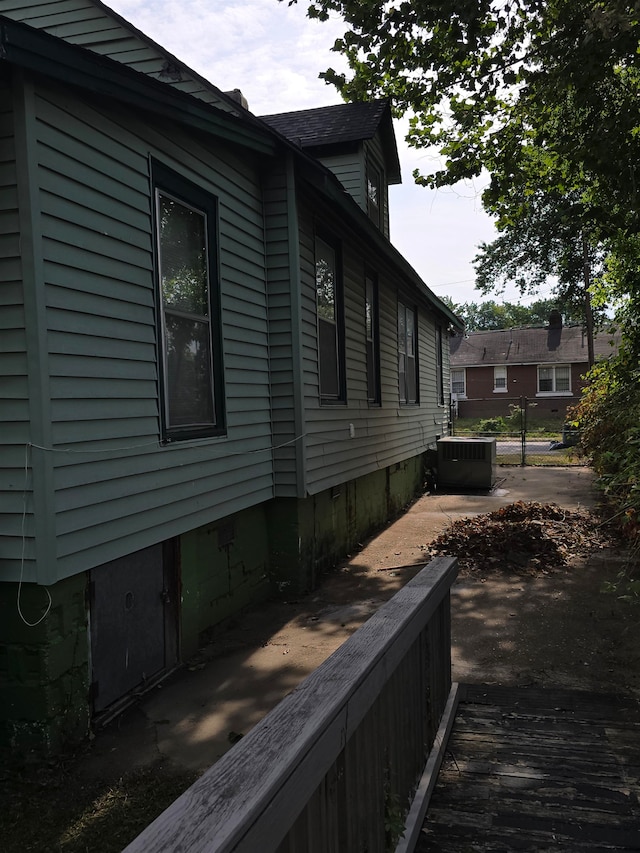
[484,316]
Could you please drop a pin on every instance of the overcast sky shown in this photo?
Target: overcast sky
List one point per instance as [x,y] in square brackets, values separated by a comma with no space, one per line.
[274,53]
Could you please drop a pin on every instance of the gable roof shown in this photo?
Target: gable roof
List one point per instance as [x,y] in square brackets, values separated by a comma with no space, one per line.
[341,124]
[37,50]
[94,26]
[538,345]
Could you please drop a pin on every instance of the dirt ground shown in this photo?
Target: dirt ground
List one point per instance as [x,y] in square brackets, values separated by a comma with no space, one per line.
[545,627]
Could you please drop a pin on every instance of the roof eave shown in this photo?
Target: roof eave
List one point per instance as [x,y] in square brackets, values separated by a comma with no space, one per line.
[39,52]
[326,182]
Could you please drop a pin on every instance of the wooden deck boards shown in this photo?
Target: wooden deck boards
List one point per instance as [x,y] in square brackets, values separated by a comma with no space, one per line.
[531,769]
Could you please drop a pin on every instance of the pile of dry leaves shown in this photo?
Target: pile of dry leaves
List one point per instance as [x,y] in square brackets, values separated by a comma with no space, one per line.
[525,537]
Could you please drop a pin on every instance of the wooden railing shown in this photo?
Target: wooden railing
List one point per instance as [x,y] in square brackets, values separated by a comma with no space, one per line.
[341,756]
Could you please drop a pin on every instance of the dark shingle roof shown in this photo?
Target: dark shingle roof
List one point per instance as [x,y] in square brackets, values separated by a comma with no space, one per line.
[339,125]
[566,345]
[329,125]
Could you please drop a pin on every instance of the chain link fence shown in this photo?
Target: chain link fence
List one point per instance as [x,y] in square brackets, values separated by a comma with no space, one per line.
[522,436]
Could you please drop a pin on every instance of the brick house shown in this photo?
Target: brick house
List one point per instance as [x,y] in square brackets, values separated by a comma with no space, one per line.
[492,370]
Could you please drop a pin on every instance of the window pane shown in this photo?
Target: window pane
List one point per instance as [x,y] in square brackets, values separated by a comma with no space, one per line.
[499,377]
[190,395]
[325,281]
[183,257]
[545,378]
[457,381]
[411,394]
[411,333]
[373,189]
[371,332]
[563,379]
[407,363]
[328,355]
[373,194]
[368,308]
[402,328]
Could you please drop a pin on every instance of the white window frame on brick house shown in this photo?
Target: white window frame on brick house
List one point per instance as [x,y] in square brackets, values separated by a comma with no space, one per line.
[554,380]
[457,383]
[500,379]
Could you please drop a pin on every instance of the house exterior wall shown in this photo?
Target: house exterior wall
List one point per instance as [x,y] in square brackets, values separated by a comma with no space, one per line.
[284,494]
[349,169]
[224,568]
[522,381]
[309,537]
[384,434]
[44,666]
[283,292]
[112,487]
[15,411]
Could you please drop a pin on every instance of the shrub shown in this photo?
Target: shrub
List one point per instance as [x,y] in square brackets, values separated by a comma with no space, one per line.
[608,417]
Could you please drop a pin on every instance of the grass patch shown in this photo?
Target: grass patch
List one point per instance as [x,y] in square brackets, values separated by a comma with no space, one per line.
[51,809]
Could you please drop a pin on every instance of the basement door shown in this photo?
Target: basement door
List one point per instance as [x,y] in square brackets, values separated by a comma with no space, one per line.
[133,633]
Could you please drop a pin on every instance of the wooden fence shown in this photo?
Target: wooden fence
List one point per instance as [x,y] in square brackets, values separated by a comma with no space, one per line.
[334,767]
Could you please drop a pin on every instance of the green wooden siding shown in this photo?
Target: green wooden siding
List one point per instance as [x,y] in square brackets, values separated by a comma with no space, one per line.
[385,434]
[282,273]
[91,26]
[15,486]
[115,489]
[349,170]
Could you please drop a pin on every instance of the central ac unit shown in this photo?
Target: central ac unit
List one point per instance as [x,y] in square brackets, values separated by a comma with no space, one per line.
[469,463]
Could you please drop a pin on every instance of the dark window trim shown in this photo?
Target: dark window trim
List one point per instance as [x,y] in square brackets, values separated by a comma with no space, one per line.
[174,185]
[375,398]
[340,397]
[408,305]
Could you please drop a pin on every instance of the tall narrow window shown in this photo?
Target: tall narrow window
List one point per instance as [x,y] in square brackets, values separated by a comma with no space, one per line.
[374,194]
[330,323]
[407,349]
[500,378]
[372,338]
[439,367]
[191,368]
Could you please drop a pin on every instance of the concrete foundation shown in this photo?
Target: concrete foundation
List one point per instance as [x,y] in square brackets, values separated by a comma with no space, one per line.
[273,550]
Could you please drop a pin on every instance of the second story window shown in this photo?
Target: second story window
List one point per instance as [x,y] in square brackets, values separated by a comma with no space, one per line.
[407,353]
[374,195]
[330,322]
[372,338]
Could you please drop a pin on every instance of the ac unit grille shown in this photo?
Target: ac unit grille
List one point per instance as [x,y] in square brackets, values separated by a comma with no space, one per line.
[464,450]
